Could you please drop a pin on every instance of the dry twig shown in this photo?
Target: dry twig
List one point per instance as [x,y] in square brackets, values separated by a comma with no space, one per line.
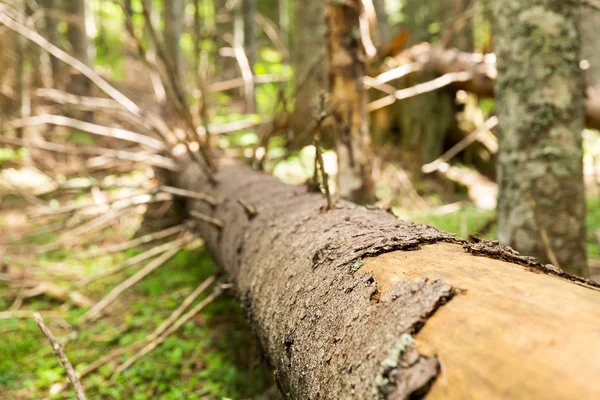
[60,353]
[95,312]
[157,341]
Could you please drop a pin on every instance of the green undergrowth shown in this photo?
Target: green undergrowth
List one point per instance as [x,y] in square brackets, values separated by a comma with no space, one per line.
[470,220]
[215,355]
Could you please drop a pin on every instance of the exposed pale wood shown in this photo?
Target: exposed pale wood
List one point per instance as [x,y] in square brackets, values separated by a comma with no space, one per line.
[512,333]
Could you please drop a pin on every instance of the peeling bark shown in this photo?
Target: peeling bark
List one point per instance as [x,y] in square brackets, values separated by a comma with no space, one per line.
[336,323]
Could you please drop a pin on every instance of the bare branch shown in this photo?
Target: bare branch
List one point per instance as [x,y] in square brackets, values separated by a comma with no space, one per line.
[142,240]
[178,324]
[68,59]
[100,130]
[162,328]
[60,353]
[460,146]
[203,217]
[421,88]
[188,193]
[58,96]
[176,244]
[95,312]
[141,156]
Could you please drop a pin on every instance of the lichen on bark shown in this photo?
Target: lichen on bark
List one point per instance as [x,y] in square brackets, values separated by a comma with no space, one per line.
[539,99]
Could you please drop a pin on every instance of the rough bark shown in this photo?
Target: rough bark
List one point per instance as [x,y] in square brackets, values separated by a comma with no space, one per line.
[343,309]
[346,72]
[590,29]
[539,101]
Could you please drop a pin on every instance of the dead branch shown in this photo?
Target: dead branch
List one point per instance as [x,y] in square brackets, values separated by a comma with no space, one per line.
[248,208]
[162,328]
[53,290]
[203,217]
[421,88]
[188,193]
[460,146]
[22,314]
[100,130]
[60,97]
[68,59]
[142,240]
[239,82]
[141,156]
[60,353]
[172,329]
[175,244]
[95,312]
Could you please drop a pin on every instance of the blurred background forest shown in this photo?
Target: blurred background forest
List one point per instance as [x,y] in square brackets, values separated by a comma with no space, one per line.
[450,86]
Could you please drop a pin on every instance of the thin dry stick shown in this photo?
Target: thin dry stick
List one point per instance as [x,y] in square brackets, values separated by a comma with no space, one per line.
[58,96]
[21,314]
[78,207]
[460,146]
[141,157]
[248,208]
[100,130]
[421,88]
[159,340]
[188,193]
[95,312]
[60,353]
[239,82]
[203,217]
[324,176]
[392,74]
[175,244]
[91,226]
[162,328]
[151,237]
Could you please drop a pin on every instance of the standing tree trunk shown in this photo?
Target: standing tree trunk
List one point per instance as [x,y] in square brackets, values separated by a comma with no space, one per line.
[51,34]
[78,39]
[539,99]
[309,60]
[346,71]
[173,14]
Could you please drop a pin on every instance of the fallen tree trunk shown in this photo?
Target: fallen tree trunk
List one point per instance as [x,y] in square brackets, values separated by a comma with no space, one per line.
[353,303]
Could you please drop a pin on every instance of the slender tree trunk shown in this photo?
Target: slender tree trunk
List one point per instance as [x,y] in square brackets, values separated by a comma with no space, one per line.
[539,100]
[309,60]
[249,43]
[342,311]
[78,39]
[173,18]
[283,9]
[51,34]
[346,72]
